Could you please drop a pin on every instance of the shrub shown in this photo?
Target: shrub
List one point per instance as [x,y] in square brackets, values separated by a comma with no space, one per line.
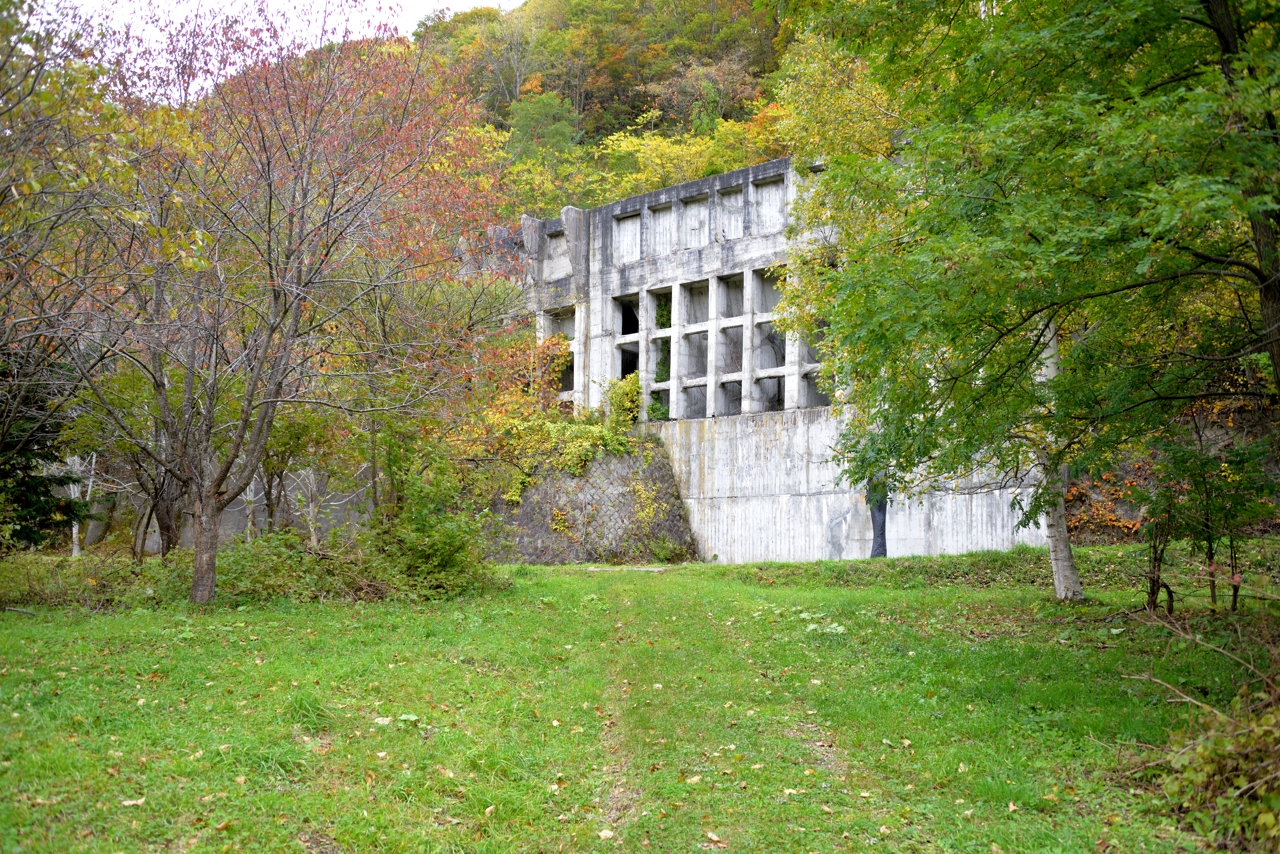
[433,542]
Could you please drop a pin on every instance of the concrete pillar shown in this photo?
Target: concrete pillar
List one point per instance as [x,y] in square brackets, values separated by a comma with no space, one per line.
[750,400]
[713,346]
[677,351]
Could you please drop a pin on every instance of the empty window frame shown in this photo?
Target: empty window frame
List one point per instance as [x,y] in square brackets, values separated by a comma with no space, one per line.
[628,359]
[697,302]
[695,355]
[660,358]
[811,391]
[661,309]
[695,402]
[659,408]
[566,375]
[771,347]
[730,296]
[628,315]
[768,293]
[771,392]
[729,351]
[730,399]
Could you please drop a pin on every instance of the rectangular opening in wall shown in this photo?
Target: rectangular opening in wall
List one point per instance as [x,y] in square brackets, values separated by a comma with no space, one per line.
[626,239]
[628,316]
[659,408]
[562,323]
[771,347]
[769,207]
[662,226]
[695,355]
[768,293]
[729,357]
[696,302]
[695,402]
[730,213]
[697,222]
[628,359]
[772,393]
[660,358]
[730,296]
[812,394]
[730,401]
[566,375]
[662,309]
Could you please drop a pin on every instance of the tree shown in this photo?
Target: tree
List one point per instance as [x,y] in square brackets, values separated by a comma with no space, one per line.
[59,138]
[1063,237]
[287,177]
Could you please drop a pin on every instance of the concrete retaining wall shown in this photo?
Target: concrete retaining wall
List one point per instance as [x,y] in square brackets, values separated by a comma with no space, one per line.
[763,487]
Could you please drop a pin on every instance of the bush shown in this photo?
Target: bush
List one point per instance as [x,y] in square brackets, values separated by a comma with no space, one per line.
[433,543]
[1224,770]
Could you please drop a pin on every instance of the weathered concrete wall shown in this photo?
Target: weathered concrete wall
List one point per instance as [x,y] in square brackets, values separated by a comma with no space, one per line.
[620,510]
[763,487]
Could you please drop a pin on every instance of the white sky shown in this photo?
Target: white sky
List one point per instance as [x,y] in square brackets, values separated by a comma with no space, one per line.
[404,15]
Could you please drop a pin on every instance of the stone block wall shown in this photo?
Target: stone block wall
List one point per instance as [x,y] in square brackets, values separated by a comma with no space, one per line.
[622,509]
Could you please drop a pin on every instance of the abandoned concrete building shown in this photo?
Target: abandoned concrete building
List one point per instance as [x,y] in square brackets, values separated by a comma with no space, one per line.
[680,285]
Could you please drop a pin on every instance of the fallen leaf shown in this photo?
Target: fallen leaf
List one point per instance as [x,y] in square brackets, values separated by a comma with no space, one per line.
[136,803]
[696,778]
[864,794]
[489,809]
[606,834]
[712,836]
[382,721]
[555,723]
[223,825]
[1013,807]
[827,809]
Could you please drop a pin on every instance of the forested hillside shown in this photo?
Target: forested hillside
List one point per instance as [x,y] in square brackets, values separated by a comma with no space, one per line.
[600,100]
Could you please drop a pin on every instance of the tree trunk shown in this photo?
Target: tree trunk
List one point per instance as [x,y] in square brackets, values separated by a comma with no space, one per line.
[879,537]
[1066,581]
[75,539]
[205,524]
[167,506]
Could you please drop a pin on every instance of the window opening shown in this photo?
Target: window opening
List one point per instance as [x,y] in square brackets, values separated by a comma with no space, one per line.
[662,310]
[730,402]
[630,359]
[695,360]
[772,393]
[659,406]
[730,357]
[695,402]
[696,303]
[813,393]
[768,292]
[566,375]
[772,350]
[661,360]
[731,297]
[629,320]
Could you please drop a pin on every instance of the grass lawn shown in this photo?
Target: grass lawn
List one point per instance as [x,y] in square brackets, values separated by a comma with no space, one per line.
[699,708]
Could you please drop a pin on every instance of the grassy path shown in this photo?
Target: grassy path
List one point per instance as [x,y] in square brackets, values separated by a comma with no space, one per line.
[681,711]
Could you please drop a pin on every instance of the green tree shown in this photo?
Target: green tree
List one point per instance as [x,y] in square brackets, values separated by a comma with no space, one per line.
[1068,238]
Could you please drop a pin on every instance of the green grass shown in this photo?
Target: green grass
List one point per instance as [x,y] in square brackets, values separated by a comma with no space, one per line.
[789,718]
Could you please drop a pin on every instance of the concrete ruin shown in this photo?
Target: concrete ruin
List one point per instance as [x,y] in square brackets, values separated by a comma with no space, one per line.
[680,285]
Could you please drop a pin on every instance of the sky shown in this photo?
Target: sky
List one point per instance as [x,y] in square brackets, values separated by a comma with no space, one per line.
[404,15]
